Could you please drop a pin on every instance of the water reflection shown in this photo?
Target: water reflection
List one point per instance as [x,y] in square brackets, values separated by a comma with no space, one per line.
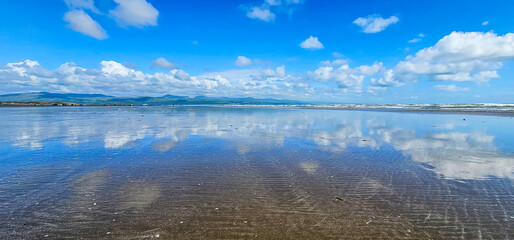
[228,173]
[444,143]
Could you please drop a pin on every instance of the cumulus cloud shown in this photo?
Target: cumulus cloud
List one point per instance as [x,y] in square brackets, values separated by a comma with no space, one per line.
[387,80]
[81,22]
[163,63]
[345,77]
[261,13]
[278,72]
[485,23]
[137,13]
[243,61]
[113,78]
[459,56]
[375,23]
[312,43]
[451,88]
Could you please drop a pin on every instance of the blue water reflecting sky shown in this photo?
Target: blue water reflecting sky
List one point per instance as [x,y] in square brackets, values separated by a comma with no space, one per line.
[452,146]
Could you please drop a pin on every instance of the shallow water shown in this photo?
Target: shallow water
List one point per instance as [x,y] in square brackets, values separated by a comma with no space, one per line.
[221,172]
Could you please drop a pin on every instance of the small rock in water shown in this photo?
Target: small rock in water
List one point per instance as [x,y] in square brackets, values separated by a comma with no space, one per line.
[340,199]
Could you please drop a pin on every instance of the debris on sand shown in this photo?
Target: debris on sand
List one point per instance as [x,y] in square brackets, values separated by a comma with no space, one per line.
[339,199]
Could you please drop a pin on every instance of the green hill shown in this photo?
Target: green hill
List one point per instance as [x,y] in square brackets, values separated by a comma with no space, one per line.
[100,99]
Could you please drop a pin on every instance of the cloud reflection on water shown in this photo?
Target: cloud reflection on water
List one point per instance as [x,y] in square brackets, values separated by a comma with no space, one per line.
[454,150]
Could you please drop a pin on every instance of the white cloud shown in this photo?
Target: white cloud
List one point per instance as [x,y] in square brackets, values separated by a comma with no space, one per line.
[374,23]
[163,63]
[82,4]
[261,13]
[137,13]
[485,23]
[81,22]
[243,61]
[370,70]
[113,78]
[336,62]
[350,79]
[415,40]
[279,72]
[387,80]
[459,56]
[266,11]
[312,43]
[450,88]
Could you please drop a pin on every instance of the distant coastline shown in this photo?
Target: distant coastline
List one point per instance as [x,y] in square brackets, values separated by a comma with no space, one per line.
[474,109]
[46,99]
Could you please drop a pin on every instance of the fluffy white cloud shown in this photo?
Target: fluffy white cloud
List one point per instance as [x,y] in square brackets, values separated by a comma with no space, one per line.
[81,22]
[374,23]
[163,63]
[113,78]
[350,79]
[451,88]
[459,56]
[82,4]
[261,13]
[243,61]
[137,13]
[312,43]
[278,72]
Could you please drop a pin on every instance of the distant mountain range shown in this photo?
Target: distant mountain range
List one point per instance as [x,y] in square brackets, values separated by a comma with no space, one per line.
[100,99]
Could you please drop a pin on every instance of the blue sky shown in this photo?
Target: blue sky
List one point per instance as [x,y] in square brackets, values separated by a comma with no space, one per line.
[319,51]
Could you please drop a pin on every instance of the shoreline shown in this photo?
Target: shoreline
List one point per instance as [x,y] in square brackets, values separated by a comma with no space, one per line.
[476,111]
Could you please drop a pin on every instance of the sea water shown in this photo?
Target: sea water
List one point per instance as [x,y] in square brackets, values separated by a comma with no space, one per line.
[236,172]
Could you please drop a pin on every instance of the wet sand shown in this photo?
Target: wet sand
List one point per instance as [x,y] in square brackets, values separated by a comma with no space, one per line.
[234,174]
